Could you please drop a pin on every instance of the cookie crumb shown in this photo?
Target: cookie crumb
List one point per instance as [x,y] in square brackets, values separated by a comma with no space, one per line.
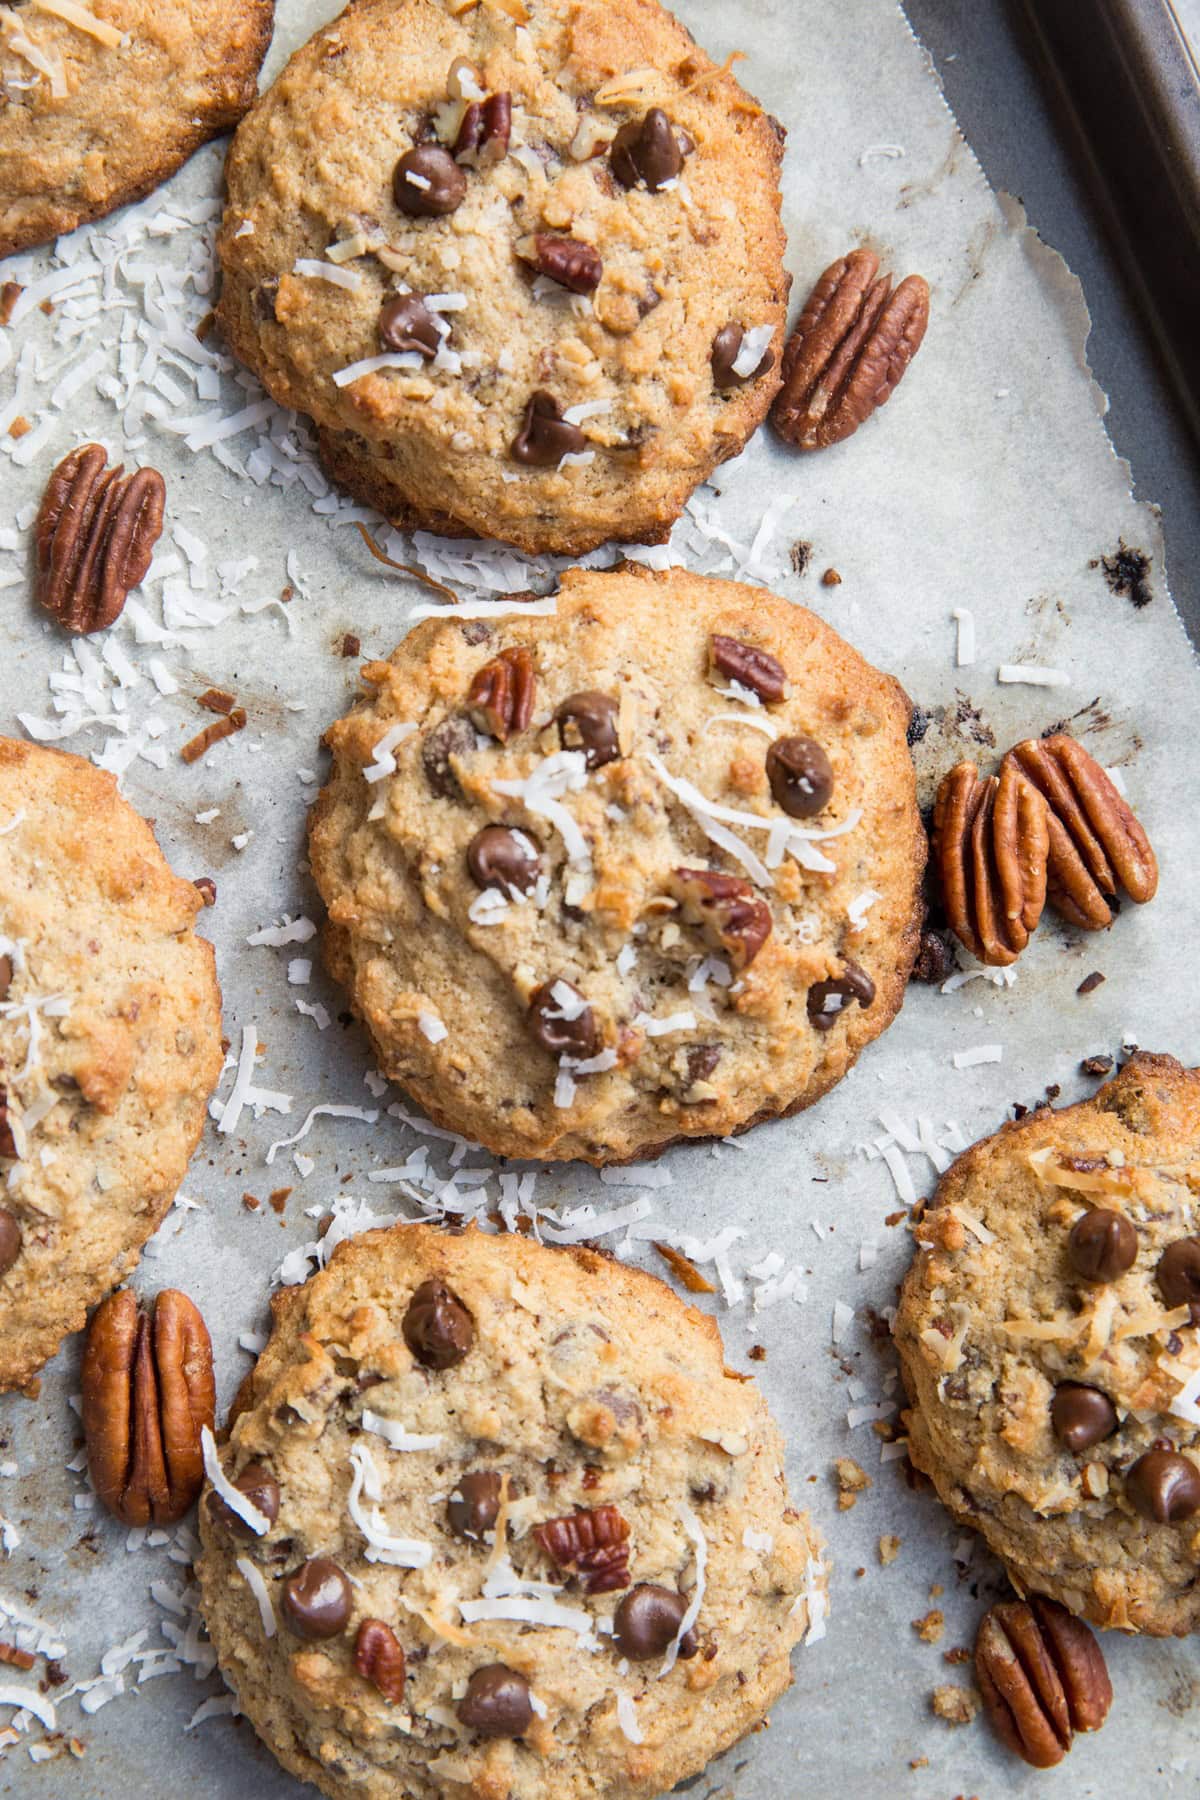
[959,1654]
[831,578]
[851,1481]
[250,1203]
[351,645]
[919,1762]
[889,1548]
[930,1628]
[279,1198]
[757,1353]
[216,700]
[1097,1065]
[1090,983]
[20,427]
[957,1705]
[10,293]
[895,1218]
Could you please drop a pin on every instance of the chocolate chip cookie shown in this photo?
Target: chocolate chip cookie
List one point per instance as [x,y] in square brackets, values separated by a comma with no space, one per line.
[495,1519]
[642,870]
[99,103]
[110,1044]
[1049,1332]
[538,293]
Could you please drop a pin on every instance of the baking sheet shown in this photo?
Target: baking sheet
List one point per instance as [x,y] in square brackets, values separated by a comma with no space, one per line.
[988,483]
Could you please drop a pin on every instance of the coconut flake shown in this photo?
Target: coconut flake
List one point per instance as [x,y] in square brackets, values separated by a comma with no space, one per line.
[385,762]
[1031,675]
[258,1587]
[680,1021]
[292,931]
[29,1700]
[692,1526]
[563,772]
[754,346]
[627,1719]
[382,1545]
[368,1116]
[394,1434]
[431,1027]
[233,1497]
[964,652]
[367,365]
[526,1610]
[979,1053]
[318,270]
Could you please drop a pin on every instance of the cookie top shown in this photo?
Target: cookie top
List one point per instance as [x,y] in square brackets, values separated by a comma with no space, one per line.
[536,208]
[532,1470]
[110,1044]
[101,102]
[1049,1332]
[641,869]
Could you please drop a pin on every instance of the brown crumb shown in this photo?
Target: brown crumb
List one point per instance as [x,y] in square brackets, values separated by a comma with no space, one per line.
[919,1762]
[20,427]
[212,734]
[851,1481]
[1097,1065]
[831,578]
[1127,573]
[959,1654]
[279,1199]
[251,1203]
[685,1269]
[351,645]
[757,1353]
[205,326]
[895,1218]
[800,555]
[1090,983]
[287,593]
[889,1549]
[10,293]
[957,1705]
[16,1659]
[323,1224]
[77,1747]
[206,887]
[47,307]
[859,1573]
[936,1590]
[216,700]
[930,1628]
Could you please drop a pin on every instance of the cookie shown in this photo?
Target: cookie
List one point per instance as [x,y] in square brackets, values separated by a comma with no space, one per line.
[1049,1333]
[538,292]
[525,1536]
[100,103]
[643,869]
[110,1044]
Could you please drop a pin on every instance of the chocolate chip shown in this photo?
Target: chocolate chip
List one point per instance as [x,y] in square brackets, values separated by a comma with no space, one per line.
[646,150]
[6,974]
[1081,1416]
[496,1703]
[1164,1486]
[406,323]
[263,300]
[1178,1275]
[752,668]
[578,1035]
[437,1327]
[588,722]
[1102,1245]
[8,1143]
[545,437]
[827,999]
[474,1506]
[10,1239]
[702,1059]
[316,1599]
[428,183]
[498,857]
[645,1623]
[260,1488]
[801,776]
[726,348]
[455,736]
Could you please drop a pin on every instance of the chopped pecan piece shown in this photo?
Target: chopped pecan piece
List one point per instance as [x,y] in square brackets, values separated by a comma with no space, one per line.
[95,535]
[147,1383]
[573,265]
[500,697]
[379,1659]
[593,1544]
[990,841]
[733,917]
[750,667]
[8,1143]
[485,130]
[1096,844]
[1042,1676]
[847,355]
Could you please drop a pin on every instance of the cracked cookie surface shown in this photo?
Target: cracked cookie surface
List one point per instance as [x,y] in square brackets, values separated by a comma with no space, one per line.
[1046,1335]
[541,1387]
[660,342]
[110,1044]
[659,905]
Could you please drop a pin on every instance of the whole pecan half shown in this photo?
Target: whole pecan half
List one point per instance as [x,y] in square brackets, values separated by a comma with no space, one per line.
[849,351]
[749,666]
[485,130]
[95,534]
[1042,1676]
[379,1659]
[1096,844]
[572,264]
[733,917]
[990,841]
[593,1543]
[500,697]
[147,1382]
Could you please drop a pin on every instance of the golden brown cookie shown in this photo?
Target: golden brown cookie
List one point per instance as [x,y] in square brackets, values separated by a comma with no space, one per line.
[1048,1332]
[110,1044]
[644,869]
[100,102]
[538,293]
[519,1532]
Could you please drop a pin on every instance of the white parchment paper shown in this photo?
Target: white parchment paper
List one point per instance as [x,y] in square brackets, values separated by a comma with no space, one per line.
[987,484]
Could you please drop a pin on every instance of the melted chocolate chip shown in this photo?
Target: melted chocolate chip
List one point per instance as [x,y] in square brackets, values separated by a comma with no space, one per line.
[437,1327]
[545,436]
[1178,1275]
[1081,1416]
[474,1506]
[498,857]
[428,183]
[406,323]
[1102,1245]
[801,776]
[10,1240]
[455,736]
[1164,1486]
[645,1623]
[828,999]
[726,348]
[576,1035]
[646,150]
[496,1703]
[260,1488]
[316,1599]
[588,722]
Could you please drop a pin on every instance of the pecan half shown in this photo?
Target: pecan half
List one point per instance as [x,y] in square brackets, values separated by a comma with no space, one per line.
[8,1143]
[572,264]
[485,130]
[733,917]
[147,1383]
[593,1544]
[752,668]
[379,1659]
[1042,1676]
[990,841]
[500,697]
[95,534]
[1097,846]
[849,351]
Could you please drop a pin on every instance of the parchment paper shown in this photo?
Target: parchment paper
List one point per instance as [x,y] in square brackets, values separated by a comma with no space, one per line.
[988,483]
